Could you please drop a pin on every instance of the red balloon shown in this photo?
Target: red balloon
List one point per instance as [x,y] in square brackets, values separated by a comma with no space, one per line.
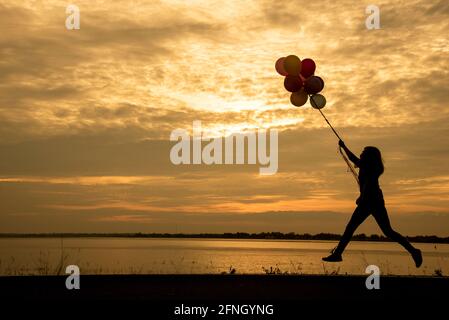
[280,67]
[293,83]
[313,85]
[307,67]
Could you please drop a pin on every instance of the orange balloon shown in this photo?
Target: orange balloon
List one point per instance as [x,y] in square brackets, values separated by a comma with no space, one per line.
[298,98]
[292,64]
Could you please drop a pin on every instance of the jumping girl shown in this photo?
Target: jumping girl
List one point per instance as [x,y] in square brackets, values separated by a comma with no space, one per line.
[370,201]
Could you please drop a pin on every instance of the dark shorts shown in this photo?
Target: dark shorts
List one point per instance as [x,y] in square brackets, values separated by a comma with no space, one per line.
[373,199]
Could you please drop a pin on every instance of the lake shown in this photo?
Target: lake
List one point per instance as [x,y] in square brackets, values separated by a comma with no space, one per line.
[23,256]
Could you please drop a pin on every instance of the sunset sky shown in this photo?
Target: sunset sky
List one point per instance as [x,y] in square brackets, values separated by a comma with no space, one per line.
[86,115]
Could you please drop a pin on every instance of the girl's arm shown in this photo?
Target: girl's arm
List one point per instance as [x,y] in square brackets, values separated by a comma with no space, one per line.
[351,156]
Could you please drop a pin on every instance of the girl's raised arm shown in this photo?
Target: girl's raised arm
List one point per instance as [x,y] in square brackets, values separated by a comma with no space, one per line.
[351,156]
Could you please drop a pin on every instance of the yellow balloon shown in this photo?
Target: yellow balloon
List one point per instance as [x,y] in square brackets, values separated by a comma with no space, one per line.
[292,64]
[299,98]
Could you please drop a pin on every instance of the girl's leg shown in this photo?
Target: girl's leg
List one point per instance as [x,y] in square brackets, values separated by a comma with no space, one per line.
[382,219]
[381,216]
[359,215]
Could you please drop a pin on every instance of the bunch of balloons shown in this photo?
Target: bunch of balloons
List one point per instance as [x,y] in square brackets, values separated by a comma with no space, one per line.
[301,81]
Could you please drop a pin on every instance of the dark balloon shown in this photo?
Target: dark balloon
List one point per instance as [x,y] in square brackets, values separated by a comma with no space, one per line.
[280,67]
[307,67]
[318,101]
[322,83]
[313,85]
[293,83]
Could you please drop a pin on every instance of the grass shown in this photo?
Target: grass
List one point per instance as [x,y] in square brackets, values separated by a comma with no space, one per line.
[54,263]
[274,270]
[45,265]
[327,272]
[230,271]
[438,272]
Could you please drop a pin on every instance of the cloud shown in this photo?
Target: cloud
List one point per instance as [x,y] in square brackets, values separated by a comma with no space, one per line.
[189,61]
[85,115]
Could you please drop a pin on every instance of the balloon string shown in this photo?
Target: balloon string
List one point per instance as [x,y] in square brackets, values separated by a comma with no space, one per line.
[311,98]
[329,124]
[350,167]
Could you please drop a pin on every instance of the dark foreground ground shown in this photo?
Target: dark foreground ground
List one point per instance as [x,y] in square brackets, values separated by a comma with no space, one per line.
[162,294]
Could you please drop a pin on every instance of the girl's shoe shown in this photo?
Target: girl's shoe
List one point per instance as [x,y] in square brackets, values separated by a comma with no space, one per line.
[333,257]
[417,257]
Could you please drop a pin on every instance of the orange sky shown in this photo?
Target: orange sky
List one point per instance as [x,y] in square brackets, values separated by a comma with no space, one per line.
[86,115]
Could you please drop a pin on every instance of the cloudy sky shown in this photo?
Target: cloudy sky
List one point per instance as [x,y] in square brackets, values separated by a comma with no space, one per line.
[86,115]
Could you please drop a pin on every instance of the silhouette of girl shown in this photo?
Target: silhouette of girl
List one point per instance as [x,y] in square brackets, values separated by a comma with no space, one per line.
[370,201]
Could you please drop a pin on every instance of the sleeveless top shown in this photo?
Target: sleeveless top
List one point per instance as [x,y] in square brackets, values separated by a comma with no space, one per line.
[369,186]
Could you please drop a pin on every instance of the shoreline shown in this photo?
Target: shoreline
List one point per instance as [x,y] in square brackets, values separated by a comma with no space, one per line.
[226,236]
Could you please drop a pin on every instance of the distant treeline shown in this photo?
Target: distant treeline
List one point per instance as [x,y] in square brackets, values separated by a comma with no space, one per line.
[237,235]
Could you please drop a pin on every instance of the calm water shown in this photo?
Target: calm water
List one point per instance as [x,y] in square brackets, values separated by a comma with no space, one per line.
[158,256]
